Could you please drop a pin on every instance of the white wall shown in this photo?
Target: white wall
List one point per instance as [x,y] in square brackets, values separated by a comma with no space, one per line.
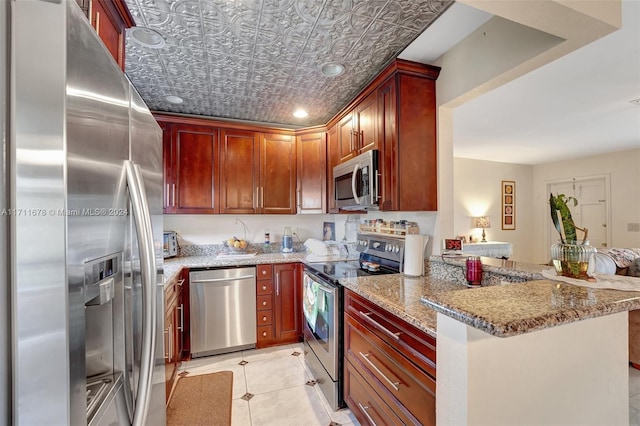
[623,169]
[214,229]
[477,192]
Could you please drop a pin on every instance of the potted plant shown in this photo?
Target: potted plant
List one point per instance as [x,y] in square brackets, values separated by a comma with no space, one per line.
[570,256]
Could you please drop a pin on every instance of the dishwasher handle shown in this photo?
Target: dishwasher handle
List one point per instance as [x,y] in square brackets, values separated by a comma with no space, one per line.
[217,280]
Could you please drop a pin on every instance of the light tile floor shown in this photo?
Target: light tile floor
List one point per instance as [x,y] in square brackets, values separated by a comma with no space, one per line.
[269,388]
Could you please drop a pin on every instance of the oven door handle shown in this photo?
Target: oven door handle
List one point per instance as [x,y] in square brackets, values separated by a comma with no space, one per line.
[328,291]
[353,184]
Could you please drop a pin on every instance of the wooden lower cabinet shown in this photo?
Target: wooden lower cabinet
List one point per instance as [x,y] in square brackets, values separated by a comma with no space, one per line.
[176,331]
[389,366]
[278,304]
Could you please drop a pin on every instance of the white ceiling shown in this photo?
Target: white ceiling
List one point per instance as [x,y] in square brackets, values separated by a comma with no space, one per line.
[576,106]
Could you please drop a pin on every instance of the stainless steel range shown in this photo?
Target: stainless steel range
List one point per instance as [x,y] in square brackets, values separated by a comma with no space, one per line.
[324,307]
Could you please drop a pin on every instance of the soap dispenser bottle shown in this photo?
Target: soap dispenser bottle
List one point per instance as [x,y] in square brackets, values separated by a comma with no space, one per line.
[287,240]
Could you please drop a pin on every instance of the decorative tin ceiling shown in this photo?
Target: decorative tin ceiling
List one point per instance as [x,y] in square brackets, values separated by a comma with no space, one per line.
[259,60]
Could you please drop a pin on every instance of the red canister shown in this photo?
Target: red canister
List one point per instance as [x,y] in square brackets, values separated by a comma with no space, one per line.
[474,270]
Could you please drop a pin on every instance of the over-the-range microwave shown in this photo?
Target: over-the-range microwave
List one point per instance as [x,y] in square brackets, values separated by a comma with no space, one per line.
[356,182]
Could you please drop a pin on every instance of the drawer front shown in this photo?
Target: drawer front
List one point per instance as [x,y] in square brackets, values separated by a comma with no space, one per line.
[264,318]
[264,287]
[264,302]
[415,344]
[368,407]
[264,272]
[391,373]
[265,334]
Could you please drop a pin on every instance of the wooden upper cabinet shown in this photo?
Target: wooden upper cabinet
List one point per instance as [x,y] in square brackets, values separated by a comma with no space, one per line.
[312,168]
[111,18]
[277,186]
[366,118]
[333,159]
[346,138]
[407,110]
[239,171]
[358,131]
[191,169]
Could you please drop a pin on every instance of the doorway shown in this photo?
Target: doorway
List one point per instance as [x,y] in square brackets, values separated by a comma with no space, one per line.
[592,210]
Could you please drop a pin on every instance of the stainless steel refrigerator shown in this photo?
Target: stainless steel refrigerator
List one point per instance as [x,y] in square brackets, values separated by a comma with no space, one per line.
[80,193]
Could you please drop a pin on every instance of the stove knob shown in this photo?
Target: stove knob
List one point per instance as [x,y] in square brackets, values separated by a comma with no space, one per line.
[389,247]
[397,249]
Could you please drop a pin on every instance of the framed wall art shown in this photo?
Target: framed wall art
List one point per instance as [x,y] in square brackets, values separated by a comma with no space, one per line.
[508,205]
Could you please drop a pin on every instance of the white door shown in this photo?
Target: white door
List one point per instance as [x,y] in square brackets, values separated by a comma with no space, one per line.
[591,210]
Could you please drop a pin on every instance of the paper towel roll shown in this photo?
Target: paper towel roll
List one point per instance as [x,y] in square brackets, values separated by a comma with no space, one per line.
[414,245]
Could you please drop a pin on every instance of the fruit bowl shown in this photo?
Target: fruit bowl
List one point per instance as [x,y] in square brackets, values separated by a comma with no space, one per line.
[236,245]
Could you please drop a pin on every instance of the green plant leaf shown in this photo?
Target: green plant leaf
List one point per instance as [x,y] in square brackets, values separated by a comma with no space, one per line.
[554,215]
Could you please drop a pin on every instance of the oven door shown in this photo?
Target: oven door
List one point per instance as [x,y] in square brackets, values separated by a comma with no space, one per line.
[321,325]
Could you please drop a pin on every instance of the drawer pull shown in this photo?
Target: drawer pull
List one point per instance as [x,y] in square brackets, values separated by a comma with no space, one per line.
[264,334]
[264,287]
[365,316]
[364,411]
[264,303]
[264,319]
[392,384]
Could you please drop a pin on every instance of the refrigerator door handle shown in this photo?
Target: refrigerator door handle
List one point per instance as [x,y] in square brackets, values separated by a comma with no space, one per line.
[142,219]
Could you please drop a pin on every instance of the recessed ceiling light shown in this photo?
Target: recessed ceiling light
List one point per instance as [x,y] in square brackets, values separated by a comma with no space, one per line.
[300,113]
[332,69]
[174,99]
[147,37]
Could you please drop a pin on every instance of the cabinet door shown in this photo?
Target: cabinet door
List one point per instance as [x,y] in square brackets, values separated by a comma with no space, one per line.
[169,172]
[333,159]
[239,172]
[346,138]
[277,174]
[367,123]
[111,18]
[195,169]
[312,166]
[169,341]
[388,159]
[288,302]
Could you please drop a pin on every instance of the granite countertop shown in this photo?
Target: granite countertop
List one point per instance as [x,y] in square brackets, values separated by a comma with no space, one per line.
[173,266]
[513,309]
[501,310]
[401,295]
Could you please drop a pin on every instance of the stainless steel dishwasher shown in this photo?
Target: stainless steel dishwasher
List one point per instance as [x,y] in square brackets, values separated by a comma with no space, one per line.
[223,310]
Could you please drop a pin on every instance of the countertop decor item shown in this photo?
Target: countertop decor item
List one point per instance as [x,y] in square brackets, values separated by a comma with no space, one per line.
[570,256]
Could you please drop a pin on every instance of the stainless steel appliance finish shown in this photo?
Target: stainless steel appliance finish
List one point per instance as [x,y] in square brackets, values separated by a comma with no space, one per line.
[323,307]
[356,182]
[170,244]
[323,334]
[86,164]
[223,310]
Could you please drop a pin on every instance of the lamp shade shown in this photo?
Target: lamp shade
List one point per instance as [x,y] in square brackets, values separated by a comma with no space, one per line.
[482,222]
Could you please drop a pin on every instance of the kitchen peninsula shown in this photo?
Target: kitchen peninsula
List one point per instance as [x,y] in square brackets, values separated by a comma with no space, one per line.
[516,353]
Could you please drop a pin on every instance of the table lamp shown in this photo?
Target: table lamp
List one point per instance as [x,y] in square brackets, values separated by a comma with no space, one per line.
[482,222]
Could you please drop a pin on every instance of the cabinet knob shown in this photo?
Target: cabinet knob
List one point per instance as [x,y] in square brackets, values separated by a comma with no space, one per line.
[264,272]
[264,287]
[264,319]
[264,334]
[264,303]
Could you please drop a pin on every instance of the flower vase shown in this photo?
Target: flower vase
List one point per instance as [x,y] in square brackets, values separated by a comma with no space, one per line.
[571,259]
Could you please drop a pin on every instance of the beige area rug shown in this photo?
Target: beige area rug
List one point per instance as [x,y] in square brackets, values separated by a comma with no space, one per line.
[201,400]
